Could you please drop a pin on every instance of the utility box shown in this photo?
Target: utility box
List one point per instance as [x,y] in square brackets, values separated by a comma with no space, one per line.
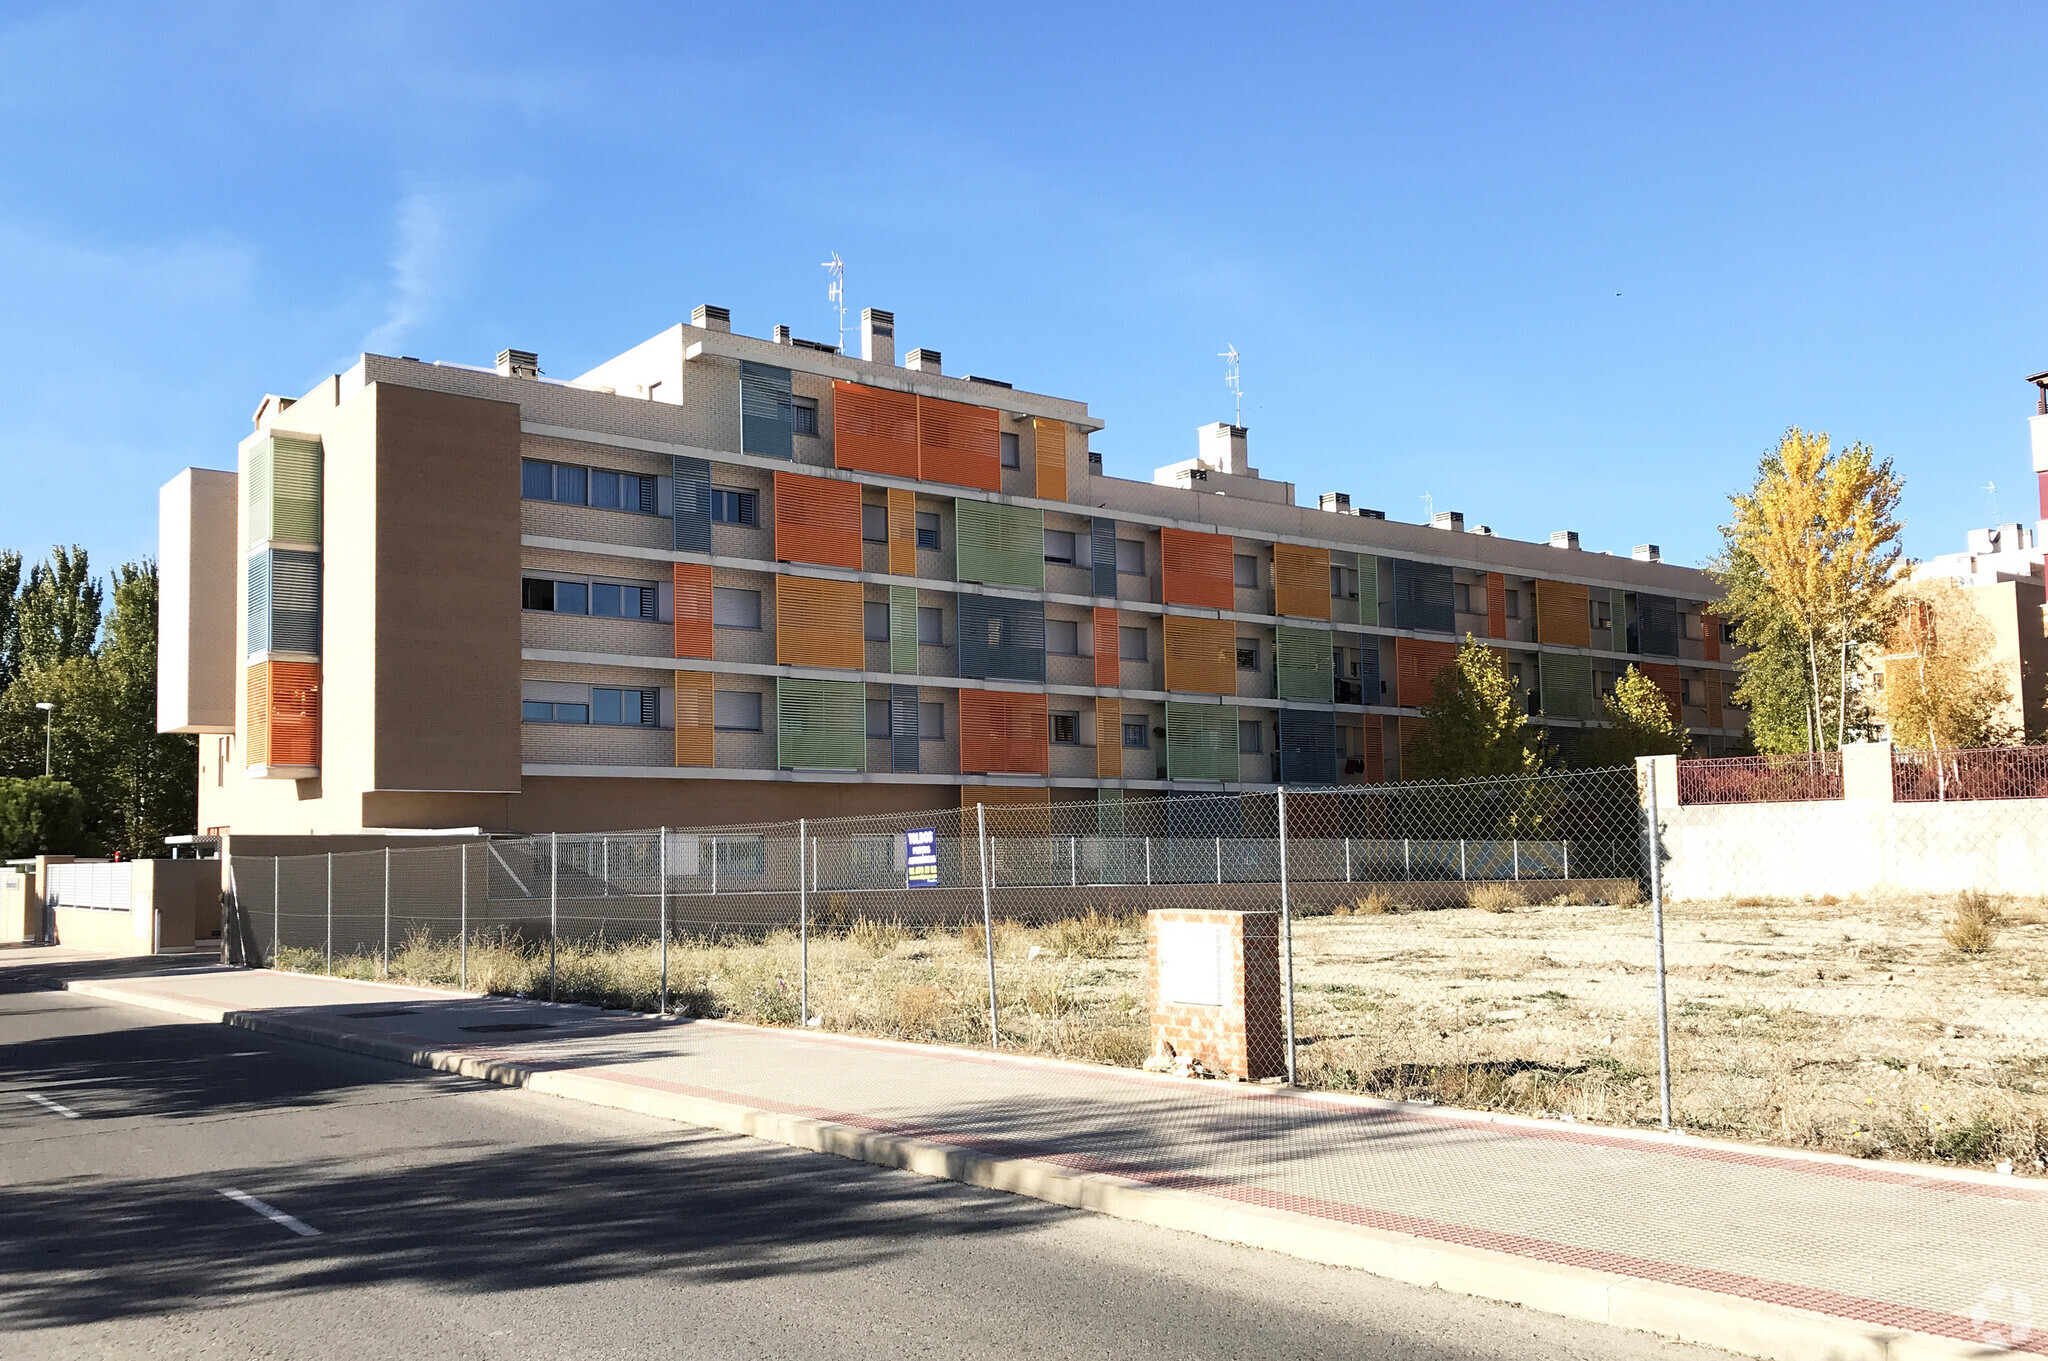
[1213,979]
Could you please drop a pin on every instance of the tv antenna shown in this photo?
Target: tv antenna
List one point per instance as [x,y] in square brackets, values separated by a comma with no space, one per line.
[1233,381]
[836,293]
[1429,507]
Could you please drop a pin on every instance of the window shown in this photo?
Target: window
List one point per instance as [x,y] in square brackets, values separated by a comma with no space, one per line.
[1691,622]
[931,722]
[1688,691]
[878,718]
[874,618]
[1130,558]
[1251,737]
[1066,728]
[1247,654]
[733,608]
[1138,733]
[1059,547]
[1062,638]
[621,491]
[931,626]
[928,530]
[874,524]
[1343,583]
[1130,645]
[731,506]
[736,710]
[625,708]
[605,488]
[536,594]
[1728,635]
[557,597]
[803,415]
[1514,604]
[553,482]
[613,601]
[1245,569]
[541,711]
[1010,458]
[1462,597]
[1598,613]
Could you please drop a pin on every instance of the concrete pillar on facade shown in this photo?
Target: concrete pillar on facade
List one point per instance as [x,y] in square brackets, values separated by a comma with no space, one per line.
[1867,772]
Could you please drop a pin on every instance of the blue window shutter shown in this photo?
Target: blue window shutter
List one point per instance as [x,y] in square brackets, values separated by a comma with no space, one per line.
[1369,669]
[1656,626]
[690,494]
[1102,550]
[1000,638]
[1423,598]
[259,602]
[767,419]
[1308,746]
[294,601]
[903,728]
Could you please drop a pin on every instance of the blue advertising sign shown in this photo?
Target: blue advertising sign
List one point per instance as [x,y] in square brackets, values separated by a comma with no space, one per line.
[921,858]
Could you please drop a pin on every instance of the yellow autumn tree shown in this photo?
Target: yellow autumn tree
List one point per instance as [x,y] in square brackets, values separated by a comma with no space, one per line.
[1941,687]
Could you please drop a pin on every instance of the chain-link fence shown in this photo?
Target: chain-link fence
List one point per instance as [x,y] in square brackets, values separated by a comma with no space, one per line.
[1494,944]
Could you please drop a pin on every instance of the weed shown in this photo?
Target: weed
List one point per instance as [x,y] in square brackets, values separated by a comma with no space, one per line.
[1092,936]
[1972,927]
[1967,1144]
[1375,904]
[878,938]
[1571,898]
[1495,898]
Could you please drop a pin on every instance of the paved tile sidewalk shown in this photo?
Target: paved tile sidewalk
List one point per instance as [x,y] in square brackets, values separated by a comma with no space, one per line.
[1880,1243]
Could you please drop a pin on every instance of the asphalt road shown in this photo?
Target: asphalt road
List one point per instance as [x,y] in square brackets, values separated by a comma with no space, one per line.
[456,1219]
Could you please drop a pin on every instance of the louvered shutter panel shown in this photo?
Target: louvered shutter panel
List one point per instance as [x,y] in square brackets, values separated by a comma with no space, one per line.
[818,623]
[284,715]
[817,519]
[258,575]
[696,724]
[1109,738]
[1407,731]
[767,425]
[1301,580]
[1108,665]
[1566,685]
[1000,638]
[1201,741]
[903,630]
[1303,666]
[1201,655]
[1716,717]
[690,502]
[1197,569]
[1496,605]
[1049,454]
[256,697]
[959,444]
[902,532]
[1368,589]
[820,724]
[999,545]
[903,729]
[294,601]
[1669,680]
[874,430]
[1369,671]
[1416,664]
[694,635]
[1002,733]
[1423,596]
[1617,621]
[295,489]
[256,497]
[1373,744]
[1308,746]
[1710,636]
[1657,626]
[1562,617]
[1109,812]
[1102,555]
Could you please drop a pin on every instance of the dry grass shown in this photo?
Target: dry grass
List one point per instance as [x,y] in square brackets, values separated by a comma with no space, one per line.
[1972,926]
[1377,903]
[1496,898]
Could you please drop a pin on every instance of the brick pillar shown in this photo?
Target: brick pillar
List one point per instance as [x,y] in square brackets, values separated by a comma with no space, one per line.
[1213,980]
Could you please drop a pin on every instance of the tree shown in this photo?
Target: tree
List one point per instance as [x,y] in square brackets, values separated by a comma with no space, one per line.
[1641,721]
[1474,725]
[1941,688]
[58,615]
[1809,559]
[40,817]
[10,624]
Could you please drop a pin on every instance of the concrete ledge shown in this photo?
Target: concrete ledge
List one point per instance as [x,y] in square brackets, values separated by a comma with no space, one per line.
[1684,1313]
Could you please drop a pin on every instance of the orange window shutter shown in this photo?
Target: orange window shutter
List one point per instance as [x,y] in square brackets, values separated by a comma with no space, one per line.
[1710,636]
[1416,663]
[874,430]
[1561,614]
[1196,569]
[693,609]
[1003,733]
[1715,717]
[1373,749]
[1496,605]
[818,623]
[1011,810]
[1668,680]
[294,713]
[959,444]
[1301,581]
[817,520]
[694,728]
[256,741]
[1049,453]
[1201,654]
[1109,739]
[1107,663]
[902,532]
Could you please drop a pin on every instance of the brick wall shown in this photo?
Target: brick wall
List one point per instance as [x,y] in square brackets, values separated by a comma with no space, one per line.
[1242,1038]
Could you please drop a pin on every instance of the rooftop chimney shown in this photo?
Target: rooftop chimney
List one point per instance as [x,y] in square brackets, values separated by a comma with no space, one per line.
[877,335]
[1486,530]
[782,335]
[1338,501]
[1222,447]
[1372,514]
[1565,538]
[519,363]
[924,361]
[1648,552]
[1453,520]
[712,318]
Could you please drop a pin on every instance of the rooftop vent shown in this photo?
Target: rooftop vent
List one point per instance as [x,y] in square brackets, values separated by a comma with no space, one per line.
[1648,552]
[519,363]
[877,335]
[800,343]
[711,318]
[1372,515]
[923,360]
[1486,530]
[1197,474]
[1095,458]
[1565,538]
[991,382]
[1453,520]
[782,335]
[1338,501]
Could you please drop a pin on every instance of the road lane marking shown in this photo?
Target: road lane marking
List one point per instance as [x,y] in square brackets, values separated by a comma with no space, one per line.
[45,1101]
[275,1215]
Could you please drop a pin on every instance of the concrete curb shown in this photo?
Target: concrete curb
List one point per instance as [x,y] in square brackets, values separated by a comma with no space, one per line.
[1749,1327]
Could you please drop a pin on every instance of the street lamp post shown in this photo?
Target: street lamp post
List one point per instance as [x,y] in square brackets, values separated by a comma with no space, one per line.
[49,711]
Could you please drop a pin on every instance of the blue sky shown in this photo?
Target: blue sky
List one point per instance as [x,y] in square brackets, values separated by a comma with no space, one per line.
[1553,266]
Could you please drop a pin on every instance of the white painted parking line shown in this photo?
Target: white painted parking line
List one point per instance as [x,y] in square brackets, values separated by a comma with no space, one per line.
[45,1101]
[297,1226]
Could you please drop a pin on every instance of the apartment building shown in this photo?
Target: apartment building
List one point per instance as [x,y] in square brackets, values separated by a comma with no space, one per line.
[721,577]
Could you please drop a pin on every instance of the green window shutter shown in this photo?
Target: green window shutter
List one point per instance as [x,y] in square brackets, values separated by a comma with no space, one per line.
[1567,684]
[903,630]
[1304,666]
[1368,589]
[1109,809]
[256,494]
[999,545]
[295,489]
[1201,741]
[821,725]
[1618,620]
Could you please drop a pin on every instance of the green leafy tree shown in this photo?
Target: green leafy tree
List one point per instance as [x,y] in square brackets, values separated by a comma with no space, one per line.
[58,614]
[1474,724]
[40,817]
[1640,722]
[10,624]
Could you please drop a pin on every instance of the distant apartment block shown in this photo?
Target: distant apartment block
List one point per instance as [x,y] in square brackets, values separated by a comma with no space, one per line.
[720,578]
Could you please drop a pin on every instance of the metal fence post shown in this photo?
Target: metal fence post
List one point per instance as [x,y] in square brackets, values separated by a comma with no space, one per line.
[988,922]
[276,912]
[1407,860]
[1462,875]
[1148,860]
[554,899]
[1657,925]
[386,965]
[1219,859]
[1515,850]
[1073,862]
[462,921]
[803,924]
[1567,858]
[1286,940]
[1347,859]
[714,867]
[663,858]
[330,912]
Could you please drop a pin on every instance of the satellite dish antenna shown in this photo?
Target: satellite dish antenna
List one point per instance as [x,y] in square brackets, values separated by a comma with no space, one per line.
[836,293]
[1233,381]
